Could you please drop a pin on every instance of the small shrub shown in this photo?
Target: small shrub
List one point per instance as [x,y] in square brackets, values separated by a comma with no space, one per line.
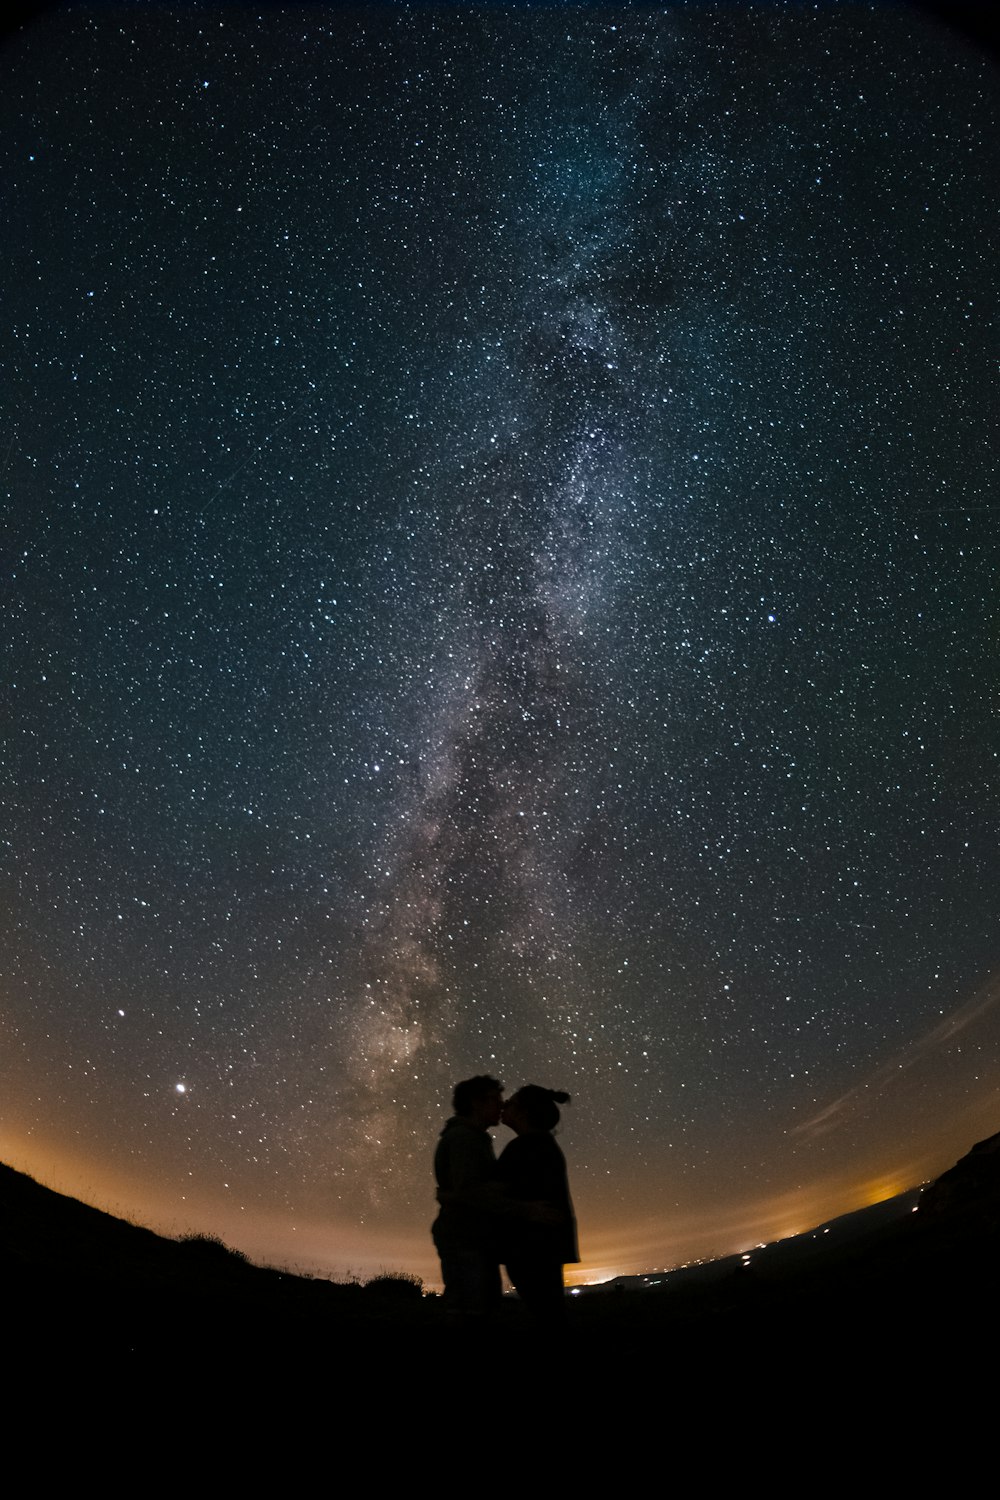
[210,1248]
[398,1285]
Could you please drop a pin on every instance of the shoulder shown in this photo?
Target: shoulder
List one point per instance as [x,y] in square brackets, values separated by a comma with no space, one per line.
[519,1146]
[534,1150]
[544,1144]
[512,1153]
[465,1142]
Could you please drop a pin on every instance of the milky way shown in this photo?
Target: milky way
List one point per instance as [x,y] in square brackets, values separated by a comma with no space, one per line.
[500,577]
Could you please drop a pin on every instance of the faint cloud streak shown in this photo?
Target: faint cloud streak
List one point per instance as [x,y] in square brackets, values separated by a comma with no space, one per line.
[857,1099]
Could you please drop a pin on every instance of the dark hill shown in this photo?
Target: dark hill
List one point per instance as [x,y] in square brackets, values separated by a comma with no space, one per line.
[80,1281]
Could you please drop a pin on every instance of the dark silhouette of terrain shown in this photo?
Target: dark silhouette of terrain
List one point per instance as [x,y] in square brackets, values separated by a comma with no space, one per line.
[915,1273]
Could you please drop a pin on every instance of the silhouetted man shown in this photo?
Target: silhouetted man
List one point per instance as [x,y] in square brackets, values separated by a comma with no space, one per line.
[465,1229]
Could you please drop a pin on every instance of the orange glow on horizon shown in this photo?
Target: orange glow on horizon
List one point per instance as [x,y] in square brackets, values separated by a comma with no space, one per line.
[643,1243]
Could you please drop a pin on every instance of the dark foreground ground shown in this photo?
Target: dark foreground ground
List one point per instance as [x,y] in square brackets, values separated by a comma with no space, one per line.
[82,1287]
[868,1328]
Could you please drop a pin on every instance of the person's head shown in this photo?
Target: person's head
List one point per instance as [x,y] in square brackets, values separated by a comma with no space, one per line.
[479,1099]
[534,1108]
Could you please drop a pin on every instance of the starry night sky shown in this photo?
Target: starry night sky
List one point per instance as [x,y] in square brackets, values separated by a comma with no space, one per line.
[499,574]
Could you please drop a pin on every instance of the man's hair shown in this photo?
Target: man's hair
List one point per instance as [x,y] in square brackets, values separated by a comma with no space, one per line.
[468,1093]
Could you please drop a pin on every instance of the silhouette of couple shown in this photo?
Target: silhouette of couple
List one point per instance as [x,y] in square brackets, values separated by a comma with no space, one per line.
[515,1211]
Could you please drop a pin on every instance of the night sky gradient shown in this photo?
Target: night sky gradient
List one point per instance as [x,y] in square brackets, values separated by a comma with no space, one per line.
[499,575]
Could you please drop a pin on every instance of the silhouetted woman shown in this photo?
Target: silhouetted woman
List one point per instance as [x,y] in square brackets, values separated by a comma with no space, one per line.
[533,1170]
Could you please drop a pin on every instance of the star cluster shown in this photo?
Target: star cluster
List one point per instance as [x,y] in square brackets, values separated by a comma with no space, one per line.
[499,576]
